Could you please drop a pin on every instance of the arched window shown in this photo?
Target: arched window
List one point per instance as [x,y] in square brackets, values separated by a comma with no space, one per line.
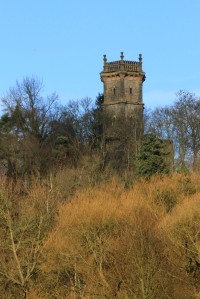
[114,91]
[130,90]
[113,120]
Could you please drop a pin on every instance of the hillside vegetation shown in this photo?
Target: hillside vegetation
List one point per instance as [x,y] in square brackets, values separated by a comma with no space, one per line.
[100,239]
[80,219]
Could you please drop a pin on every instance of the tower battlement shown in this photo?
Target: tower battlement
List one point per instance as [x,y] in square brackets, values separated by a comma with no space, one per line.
[122,65]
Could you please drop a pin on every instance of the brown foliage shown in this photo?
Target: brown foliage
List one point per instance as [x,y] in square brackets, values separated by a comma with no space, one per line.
[105,242]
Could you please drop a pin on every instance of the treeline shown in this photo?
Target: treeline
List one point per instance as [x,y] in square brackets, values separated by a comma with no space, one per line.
[39,136]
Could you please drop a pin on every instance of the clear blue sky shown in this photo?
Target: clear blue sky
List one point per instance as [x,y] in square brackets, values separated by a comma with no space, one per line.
[63,42]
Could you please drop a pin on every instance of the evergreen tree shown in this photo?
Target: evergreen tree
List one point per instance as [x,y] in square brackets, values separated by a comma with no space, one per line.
[152,157]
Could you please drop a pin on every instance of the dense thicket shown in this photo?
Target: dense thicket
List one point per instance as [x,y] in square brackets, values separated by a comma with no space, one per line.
[106,242]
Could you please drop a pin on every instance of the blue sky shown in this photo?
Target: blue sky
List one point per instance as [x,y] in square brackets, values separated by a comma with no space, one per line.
[62,42]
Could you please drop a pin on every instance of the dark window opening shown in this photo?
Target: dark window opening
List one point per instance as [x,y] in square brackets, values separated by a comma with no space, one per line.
[130,90]
[114,91]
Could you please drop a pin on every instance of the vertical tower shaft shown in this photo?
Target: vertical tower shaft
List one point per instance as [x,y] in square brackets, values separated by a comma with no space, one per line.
[123,102]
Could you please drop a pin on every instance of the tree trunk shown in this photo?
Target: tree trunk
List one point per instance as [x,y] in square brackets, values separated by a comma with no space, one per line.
[195,159]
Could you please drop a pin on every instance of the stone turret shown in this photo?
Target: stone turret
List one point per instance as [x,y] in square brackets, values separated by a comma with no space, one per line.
[123,81]
[123,104]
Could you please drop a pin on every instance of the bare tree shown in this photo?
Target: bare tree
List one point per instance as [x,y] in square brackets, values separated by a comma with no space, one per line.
[179,123]
[21,237]
[186,114]
[25,125]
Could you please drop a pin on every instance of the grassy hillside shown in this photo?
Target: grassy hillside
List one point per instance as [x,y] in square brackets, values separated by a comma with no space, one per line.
[104,241]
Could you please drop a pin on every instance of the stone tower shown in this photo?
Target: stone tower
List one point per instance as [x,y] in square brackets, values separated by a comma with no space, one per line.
[123,101]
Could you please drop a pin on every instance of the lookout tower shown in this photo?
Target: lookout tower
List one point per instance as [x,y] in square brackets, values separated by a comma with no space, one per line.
[123,102]
[123,81]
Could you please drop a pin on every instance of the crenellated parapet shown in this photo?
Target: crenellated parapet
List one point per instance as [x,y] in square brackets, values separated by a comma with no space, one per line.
[122,65]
